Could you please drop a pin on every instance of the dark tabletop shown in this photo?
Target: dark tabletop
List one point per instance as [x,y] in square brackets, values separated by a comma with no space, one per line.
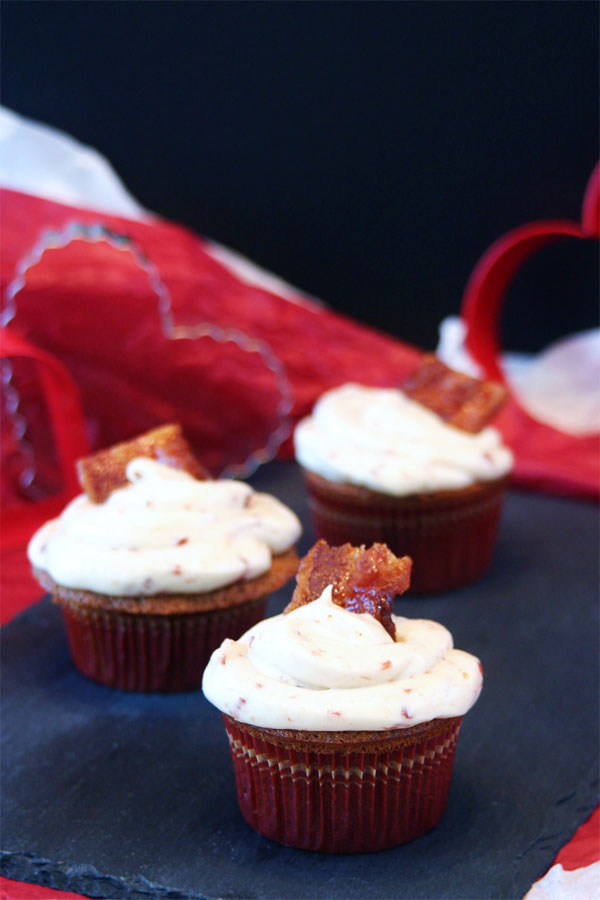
[126,795]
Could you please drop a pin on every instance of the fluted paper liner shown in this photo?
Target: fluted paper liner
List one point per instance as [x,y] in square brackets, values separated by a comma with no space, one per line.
[361,793]
[450,535]
[138,652]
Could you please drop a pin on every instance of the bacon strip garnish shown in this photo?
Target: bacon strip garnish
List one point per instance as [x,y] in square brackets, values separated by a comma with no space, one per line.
[363,580]
[462,401]
[103,472]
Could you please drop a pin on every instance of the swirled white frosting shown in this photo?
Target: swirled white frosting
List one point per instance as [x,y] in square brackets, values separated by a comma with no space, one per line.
[164,532]
[381,439]
[323,668]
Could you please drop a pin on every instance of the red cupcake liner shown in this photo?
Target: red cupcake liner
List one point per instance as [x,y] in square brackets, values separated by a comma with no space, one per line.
[138,652]
[343,800]
[450,535]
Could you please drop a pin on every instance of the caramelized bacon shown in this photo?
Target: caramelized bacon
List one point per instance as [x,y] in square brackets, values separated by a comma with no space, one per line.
[100,474]
[363,580]
[458,399]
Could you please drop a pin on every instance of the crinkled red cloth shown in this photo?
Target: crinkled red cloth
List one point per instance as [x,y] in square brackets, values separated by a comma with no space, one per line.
[19,890]
[92,306]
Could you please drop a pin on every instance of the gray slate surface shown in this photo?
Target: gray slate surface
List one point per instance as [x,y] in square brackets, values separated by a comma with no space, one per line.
[130,796]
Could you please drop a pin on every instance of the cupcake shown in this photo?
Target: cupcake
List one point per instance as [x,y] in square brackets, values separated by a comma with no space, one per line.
[415,468]
[342,718]
[156,563]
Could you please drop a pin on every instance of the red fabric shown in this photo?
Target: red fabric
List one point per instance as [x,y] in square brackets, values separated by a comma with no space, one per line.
[584,847]
[65,434]
[92,307]
[18,588]
[19,890]
[20,518]
[547,460]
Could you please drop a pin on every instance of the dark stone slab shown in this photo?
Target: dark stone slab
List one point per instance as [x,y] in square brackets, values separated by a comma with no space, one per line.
[123,795]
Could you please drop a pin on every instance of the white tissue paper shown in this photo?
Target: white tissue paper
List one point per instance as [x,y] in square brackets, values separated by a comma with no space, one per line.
[559,386]
[45,162]
[560,884]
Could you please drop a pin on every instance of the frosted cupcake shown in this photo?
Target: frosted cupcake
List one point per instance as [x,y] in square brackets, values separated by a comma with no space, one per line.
[415,468]
[156,564]
[342,718]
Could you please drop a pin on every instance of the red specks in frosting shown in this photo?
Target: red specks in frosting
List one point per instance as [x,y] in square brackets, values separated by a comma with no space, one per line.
[334,712]
[176,570]
[223,659]
[251,641]
[259,684]
[386,664]
[405,713]
[149,503]
[181,542]
[480,667]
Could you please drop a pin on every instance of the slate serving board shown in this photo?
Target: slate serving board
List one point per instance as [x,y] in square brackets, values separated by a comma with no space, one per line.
[130,796]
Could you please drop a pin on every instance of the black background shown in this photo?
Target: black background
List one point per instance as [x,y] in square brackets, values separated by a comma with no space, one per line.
[368,152]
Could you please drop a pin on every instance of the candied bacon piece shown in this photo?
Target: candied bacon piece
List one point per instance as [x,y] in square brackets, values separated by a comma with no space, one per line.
[103,472]
[462,401]
[363,580]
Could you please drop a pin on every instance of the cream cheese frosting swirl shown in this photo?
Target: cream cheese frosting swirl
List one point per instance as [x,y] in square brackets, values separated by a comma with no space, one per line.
[381,439]
[324,668]
[165,532]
